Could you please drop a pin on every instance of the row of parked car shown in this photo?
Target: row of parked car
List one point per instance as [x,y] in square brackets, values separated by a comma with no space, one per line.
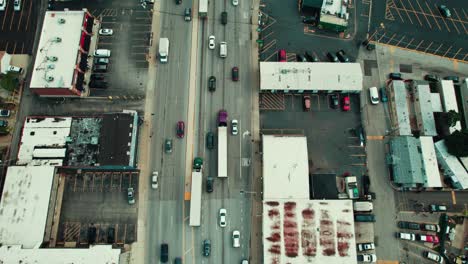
[101,63]
[334,102]
[339,56]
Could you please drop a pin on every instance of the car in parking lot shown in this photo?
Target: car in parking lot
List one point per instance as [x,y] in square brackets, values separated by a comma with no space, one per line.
[206,247]
[235,74]
[130,195]
[106,32]
[433,256]
[341,54]
[5,113]
[188,14]
[395,76]
[177,261]
[102,53]
[365,246]
[430,227]
[210,140]
[455,79]
[405,236]
[2,5]
[282,55]
[101,60]
[383,95]
[3,123]
[346,105]
[428,238]
[211,42]
[408,225]
[154,180]
[445,11]
[236,238]
[180,129]
[97,77]
[374,95]
[311,57]
[431,78]
[334,101]
[17,5]
[212,84]
[234,128]
[306,102]
[222,217]
[300,58]
[100,67]
[168,145]
[367,258]
[14,69]
[332,57]
[110,235]
[164,253]
[96,84]
[437,208]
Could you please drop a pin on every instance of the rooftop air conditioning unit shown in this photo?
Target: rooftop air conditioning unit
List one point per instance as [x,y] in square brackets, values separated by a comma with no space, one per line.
[52,58]
[49,78]
[61,21]
[51,66]
[57,39]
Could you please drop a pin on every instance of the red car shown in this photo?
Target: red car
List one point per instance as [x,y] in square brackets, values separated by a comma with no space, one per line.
[346,104]
[282,55]
[235,74]
[428,238]
[180,129]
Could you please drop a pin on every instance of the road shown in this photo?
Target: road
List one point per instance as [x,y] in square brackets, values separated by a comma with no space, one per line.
[167,212]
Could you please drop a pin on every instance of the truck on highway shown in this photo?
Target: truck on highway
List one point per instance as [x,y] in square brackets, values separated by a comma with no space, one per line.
[203,8]
[196,190]
[222,143]
[352,187]
[163,50]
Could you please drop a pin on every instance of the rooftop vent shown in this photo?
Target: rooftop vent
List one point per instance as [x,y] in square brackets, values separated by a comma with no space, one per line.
[57,39]
[51,66]
[52,58]
[49,78]
[61,21]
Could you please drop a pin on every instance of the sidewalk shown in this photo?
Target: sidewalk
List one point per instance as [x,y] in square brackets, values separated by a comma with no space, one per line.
[138,253]
[256,250]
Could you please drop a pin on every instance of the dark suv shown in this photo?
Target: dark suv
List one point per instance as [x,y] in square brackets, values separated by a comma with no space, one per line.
[164,253]
[210,140]
[212,84]
[209,184]
[206,247]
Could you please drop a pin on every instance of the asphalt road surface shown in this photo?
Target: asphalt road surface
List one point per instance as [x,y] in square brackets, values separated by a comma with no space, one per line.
[167,212]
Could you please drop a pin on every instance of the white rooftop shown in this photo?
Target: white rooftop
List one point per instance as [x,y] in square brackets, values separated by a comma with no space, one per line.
[401,108]
[451,165]
[310,76]
[99,254]
[449,100]
[424,112]
[24,205]
[43,132]
[308,231]
[430,162]
[65,50]
[285,167]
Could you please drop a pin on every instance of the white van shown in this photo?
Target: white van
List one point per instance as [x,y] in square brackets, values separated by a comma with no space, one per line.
[15,69]
[102,53]
[17,5]
[223,49]
[374,95]
[2,5]
[363,207]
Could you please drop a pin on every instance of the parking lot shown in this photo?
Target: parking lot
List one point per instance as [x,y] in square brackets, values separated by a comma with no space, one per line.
[95,202]
[17,28]
[420,26]
[129,44]
[283,29]
[333,146]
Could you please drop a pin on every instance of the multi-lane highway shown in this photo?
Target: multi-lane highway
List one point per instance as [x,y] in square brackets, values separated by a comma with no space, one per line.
[189,68]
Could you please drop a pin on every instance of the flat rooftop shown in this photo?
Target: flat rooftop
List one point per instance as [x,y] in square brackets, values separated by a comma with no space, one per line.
[116,150]
[60,38]
[24,206]
[401,108]
[308,231]
[431,169]
[99,254]
[310,76]
[285,167]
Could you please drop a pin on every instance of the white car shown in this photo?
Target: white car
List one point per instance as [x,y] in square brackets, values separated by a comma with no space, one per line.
[405,236]
[235,2]
[234,128]
[17,5]
[211,42]
[365,246]
[367,258]
[222,217]
[106,32]
[130,195]
[15,69]
[236,238]
[2,5]
[154,180]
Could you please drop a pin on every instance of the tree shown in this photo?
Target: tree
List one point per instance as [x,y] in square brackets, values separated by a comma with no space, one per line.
[452,118]
[457,143]
[9,81]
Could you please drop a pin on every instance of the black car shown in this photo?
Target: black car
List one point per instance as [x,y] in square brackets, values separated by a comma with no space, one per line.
[110,235]
[300,58]
[164,253]
[212,84]
[91,234]
[311,58]
[332,57]
[97,77]
[98,84]
[177,261]
[310,20]
[342,56]
[395,76]
[178,2]
[206,247]
[445,11]
[209,184]
[210,140]
[431,78]
[224,18]
[334,101]
[408,225]
[455,79]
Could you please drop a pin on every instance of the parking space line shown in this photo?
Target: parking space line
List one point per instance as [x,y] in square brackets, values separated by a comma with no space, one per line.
[464,58]
[12,20]
[438,48]
[409,43]
[388,12]
[433,16]
[394,34]
[424,13]
[455,25]
[456,54]
[381,37]
[466,17]
[398,44]
[74,184]
[419,44]
[407,14]
[454,198]
[415,13]
[427,48]
[461,21]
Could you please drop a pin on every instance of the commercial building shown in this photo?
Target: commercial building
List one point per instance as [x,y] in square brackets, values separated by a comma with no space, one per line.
[298,230]
[423,111]
[398,108]
[464,102]
[308,77]
[449,100]
[61,68]
[451,167]
[413,162]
